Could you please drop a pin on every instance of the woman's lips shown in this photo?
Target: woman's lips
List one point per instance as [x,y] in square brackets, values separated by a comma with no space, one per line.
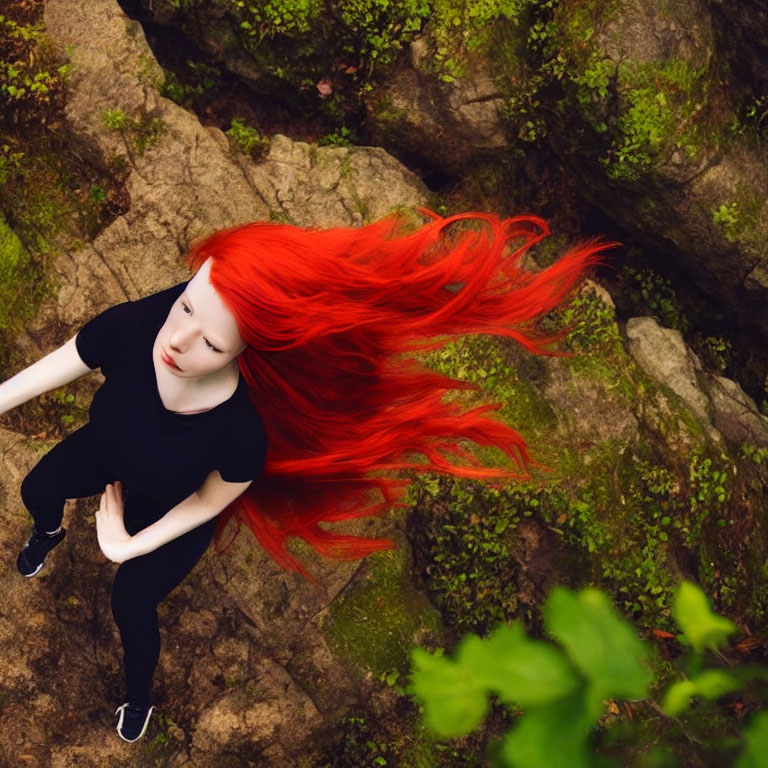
[168,360]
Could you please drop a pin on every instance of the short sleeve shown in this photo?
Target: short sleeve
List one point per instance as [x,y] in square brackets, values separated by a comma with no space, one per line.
[244,456]
[99,340]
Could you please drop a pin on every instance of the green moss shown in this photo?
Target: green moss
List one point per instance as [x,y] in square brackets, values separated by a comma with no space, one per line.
[461,29]
[489,362]
[486,180]
[375,623]
[426,750]
[150,73]
[15,274]
[657,101]
[387,117]
[597,346]
[166,742]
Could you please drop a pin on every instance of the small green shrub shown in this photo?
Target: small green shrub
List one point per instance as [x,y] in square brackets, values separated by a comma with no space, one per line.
[247,137]
[138,132]
[199,77]
[752,120]
[726,216]
[32,77]
[343,137]
[717,353]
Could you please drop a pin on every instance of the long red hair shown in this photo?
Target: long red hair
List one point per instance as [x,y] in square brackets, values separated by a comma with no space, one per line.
[329,316]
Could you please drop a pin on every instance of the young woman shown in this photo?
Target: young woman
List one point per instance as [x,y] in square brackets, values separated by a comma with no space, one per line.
[298,334]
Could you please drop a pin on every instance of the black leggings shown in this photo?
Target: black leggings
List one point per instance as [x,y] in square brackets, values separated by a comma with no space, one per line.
[73,469]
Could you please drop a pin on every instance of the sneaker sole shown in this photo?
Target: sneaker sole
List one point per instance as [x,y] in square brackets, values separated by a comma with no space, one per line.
[40,567]
[120,722]
[35,572]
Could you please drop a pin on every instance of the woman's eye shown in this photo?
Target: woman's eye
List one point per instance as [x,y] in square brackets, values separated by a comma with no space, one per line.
[186,308]
[210,346]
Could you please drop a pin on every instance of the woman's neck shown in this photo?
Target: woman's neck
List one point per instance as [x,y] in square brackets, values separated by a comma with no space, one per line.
[182,394]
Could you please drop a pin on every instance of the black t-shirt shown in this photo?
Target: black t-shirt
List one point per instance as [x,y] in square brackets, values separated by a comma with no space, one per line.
[159,455]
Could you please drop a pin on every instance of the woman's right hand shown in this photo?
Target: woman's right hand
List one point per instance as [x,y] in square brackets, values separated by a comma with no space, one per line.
[110,526]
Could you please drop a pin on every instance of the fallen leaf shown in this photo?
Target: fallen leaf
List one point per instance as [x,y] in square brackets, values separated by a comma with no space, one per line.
[324,88]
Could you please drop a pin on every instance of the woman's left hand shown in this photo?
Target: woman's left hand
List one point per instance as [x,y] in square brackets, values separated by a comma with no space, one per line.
[110,528]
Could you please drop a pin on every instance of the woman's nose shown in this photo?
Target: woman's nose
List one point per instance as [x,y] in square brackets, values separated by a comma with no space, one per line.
[178,342]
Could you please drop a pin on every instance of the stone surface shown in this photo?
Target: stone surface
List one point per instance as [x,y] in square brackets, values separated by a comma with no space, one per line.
[715,400]
[662,353]
[734,413]
[453,125]
[587,409]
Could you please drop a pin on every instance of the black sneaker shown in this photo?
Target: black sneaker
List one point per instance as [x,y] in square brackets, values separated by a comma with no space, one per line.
[133,722]
[32,558]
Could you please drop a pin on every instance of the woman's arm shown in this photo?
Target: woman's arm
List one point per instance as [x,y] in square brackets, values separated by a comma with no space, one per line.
[54,370]
[203,505]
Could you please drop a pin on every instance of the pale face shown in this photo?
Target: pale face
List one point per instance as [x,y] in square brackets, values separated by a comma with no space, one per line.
[200,334]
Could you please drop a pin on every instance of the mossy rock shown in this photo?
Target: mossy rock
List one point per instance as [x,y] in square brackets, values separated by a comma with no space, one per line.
[379,617]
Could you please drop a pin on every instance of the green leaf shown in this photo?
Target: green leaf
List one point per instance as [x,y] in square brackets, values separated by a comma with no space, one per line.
[520,670]
[454,704]
[553,736]
[701,626]
[711,684]
[599,642]
[755,752]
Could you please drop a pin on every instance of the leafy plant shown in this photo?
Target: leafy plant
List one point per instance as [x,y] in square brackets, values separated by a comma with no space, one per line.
[461,26]
[343,137]
[277,17]
[354,745]
[751,120]
[64,400]
[560,691]
[379,28]
[650,293]
[248,138]
[717,352]
[726,216]
[32,78]
[138,132]
[470,533]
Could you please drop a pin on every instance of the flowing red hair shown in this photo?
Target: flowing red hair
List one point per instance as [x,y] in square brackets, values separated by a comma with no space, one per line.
[328,315]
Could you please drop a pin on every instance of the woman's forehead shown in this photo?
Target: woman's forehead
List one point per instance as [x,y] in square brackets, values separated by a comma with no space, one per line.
[209,308]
